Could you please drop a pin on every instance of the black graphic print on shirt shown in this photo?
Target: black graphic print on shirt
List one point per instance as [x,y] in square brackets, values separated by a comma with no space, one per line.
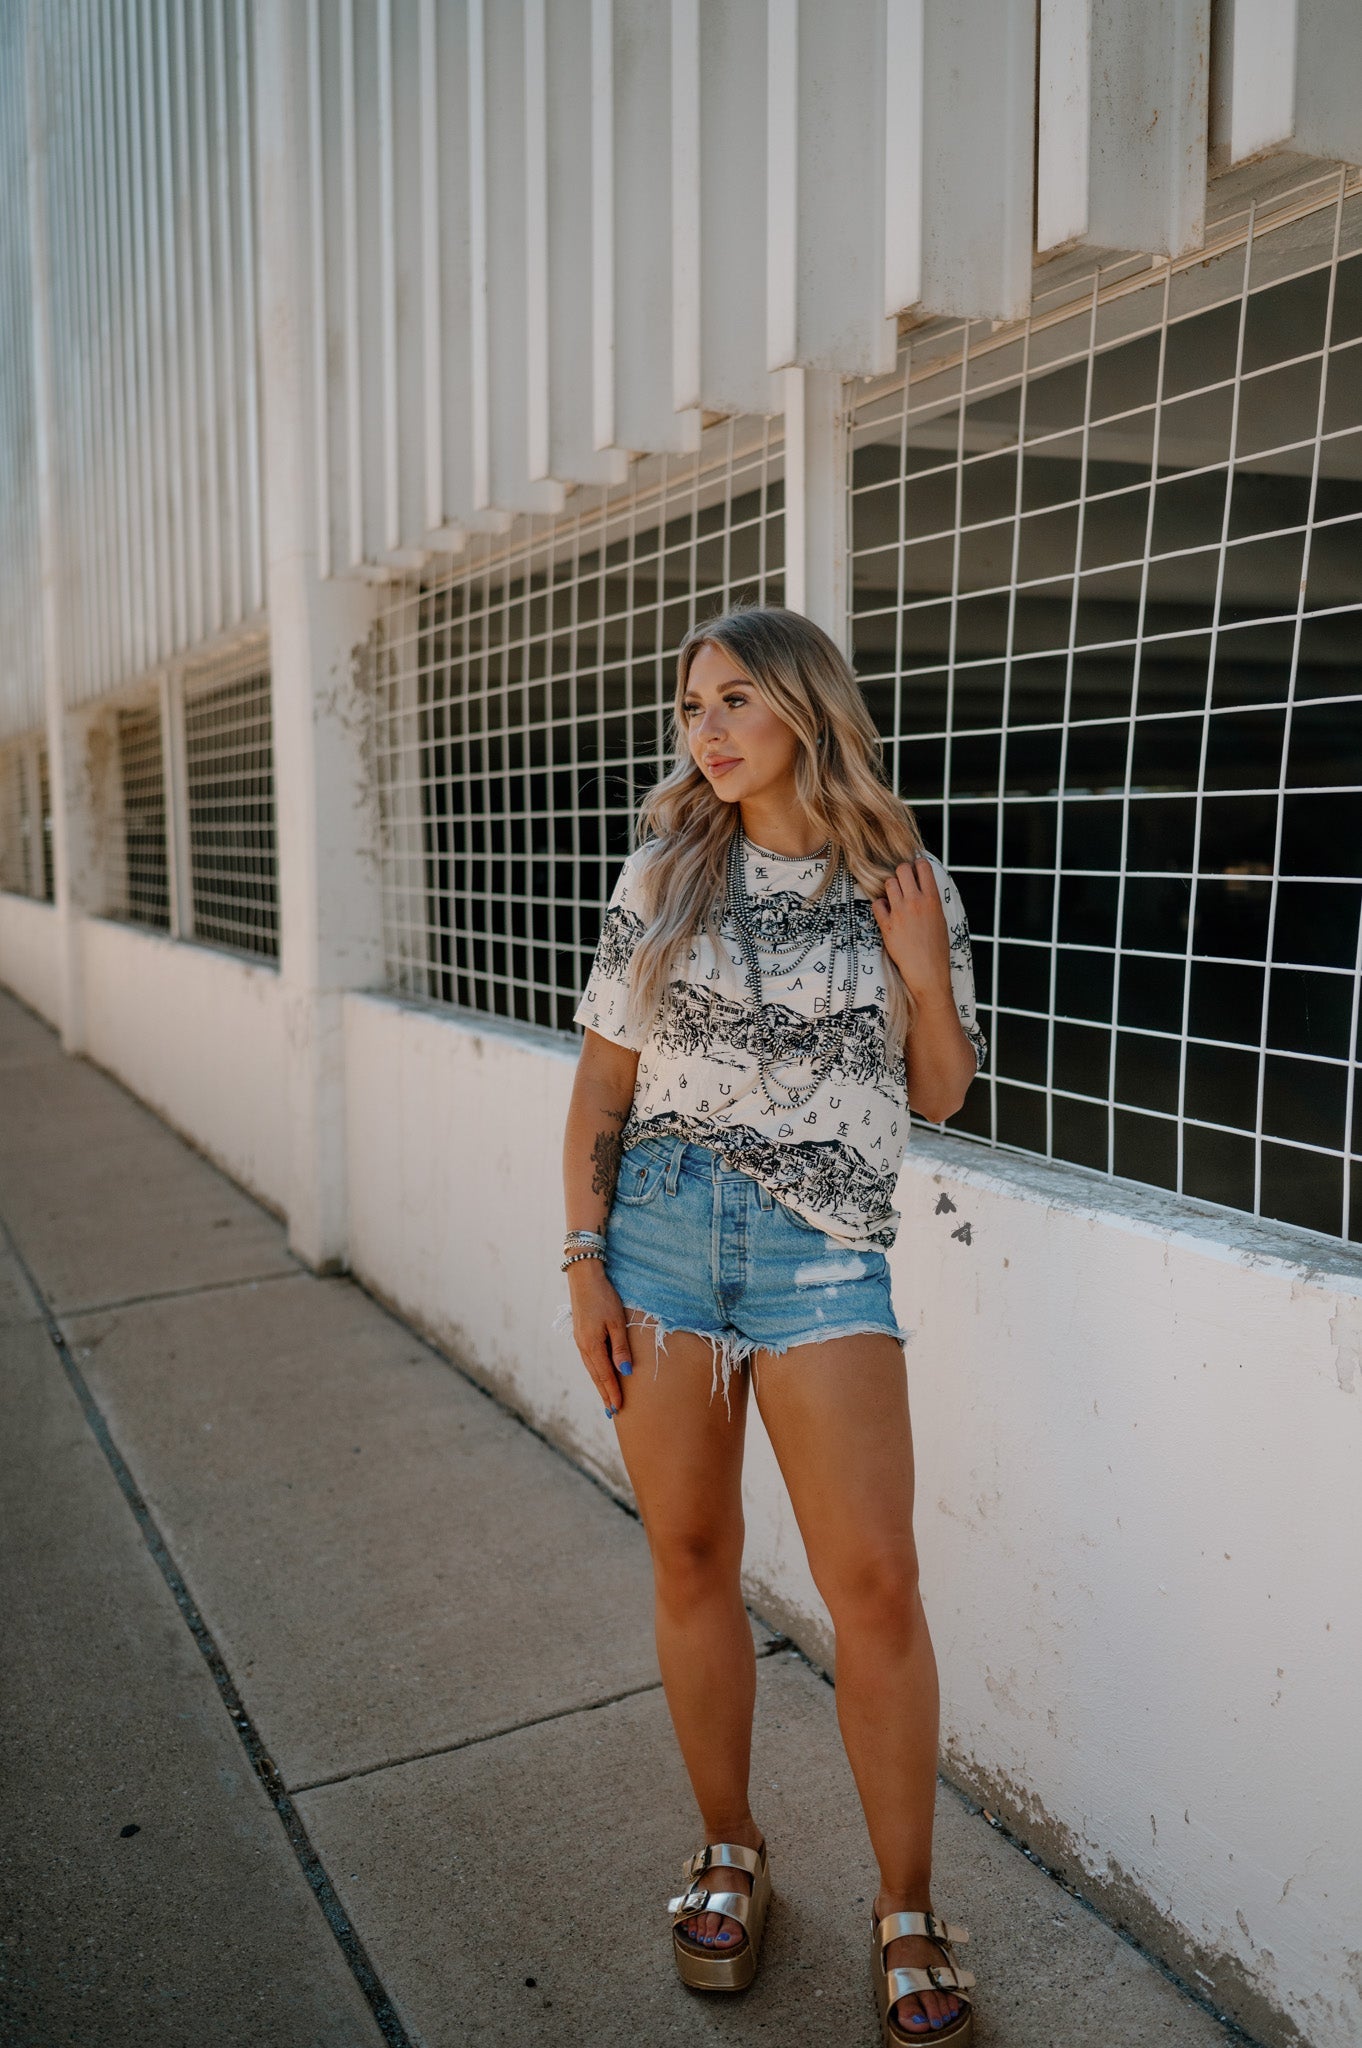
[834,1160]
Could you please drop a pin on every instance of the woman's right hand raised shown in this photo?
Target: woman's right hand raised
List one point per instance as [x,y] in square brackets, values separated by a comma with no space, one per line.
[600,1331]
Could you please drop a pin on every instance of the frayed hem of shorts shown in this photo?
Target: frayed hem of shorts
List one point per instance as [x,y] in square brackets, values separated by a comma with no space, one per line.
[824,1336]
[728,1351]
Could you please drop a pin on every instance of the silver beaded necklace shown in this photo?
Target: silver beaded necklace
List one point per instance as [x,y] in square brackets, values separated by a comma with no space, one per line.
[831,920]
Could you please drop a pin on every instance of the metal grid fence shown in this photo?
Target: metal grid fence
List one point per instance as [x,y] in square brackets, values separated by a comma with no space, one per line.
[1106,603]
[43,824]
[26,820]
[520,710]
[16,865]
[143,896]
[229,777]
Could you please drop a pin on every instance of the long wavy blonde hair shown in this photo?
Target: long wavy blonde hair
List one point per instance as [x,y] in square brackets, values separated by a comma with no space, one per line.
[839,776]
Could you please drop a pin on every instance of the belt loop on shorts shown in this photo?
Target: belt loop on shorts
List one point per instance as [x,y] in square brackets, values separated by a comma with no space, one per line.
[765,1199]
[673,1176]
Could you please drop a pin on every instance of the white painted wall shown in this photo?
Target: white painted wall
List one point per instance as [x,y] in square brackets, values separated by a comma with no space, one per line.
[30,954]
[199,1035]
[1149,1660]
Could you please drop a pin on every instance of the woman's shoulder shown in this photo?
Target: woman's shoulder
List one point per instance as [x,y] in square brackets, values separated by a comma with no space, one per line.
[631,874]
[939,870]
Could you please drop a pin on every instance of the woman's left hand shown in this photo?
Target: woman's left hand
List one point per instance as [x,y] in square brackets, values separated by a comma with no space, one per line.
[913,927]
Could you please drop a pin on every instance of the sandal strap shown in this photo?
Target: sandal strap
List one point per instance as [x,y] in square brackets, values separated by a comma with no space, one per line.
[733,1905]
[732,1855]
[903,1982]
[895,1924]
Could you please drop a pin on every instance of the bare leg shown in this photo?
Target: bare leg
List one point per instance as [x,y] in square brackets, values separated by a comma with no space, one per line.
[683,1453]
[837,1416]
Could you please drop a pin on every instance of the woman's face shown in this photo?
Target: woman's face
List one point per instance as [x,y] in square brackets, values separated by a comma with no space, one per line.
[739,744]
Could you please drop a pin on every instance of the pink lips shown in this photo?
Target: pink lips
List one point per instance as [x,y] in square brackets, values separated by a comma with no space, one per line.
[721,767]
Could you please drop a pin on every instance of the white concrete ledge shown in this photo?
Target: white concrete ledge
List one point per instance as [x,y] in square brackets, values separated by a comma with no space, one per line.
[199,1035]
[1129,1205]
[30,954]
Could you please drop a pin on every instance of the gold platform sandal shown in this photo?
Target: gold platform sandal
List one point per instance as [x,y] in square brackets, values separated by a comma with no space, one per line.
[733,1968]
[890,1985]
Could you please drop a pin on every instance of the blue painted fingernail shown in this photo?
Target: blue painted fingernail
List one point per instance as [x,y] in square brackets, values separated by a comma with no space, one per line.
[625,1367]
[608,1409]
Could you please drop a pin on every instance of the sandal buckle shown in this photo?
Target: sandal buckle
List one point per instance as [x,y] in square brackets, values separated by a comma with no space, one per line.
[693,1901]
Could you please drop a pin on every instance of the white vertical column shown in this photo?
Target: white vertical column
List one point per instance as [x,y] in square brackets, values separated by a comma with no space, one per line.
[575,347]
[1064,115]
[330,930]
[640,224]
[1149,112]
[1328,105]
[721,189]
[686,212]
[602,223]
[63,771]
[978,157]
[816,498]
[905,71]
[782,183]
[1253,76]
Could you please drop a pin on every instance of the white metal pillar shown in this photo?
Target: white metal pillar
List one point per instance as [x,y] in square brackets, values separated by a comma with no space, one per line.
[816,498]
[330,927]
[63,770]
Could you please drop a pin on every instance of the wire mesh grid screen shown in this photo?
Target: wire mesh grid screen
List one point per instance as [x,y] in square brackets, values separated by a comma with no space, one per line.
[229,775]
[16,867]
[522,710]
[1107,607]
[44,829]
[144,897]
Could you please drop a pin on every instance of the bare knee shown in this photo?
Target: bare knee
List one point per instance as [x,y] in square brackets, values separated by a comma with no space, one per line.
[693,1561]
[875,1594]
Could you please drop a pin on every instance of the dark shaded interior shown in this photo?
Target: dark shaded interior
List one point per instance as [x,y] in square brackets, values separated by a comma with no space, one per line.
[1054,731]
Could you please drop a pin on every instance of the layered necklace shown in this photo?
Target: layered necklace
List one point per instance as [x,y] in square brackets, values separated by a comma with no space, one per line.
[829,920]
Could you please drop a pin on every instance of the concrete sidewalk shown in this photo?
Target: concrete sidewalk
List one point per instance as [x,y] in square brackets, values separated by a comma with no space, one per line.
[331,1714]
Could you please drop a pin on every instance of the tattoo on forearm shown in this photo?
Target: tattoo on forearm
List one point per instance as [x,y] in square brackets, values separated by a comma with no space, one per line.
[606,1153]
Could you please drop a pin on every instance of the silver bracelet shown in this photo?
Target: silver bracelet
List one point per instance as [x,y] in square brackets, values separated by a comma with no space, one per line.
[576,1258]
[576,1238]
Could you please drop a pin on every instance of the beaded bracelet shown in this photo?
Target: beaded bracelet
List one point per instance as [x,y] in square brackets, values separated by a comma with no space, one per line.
[576,1258]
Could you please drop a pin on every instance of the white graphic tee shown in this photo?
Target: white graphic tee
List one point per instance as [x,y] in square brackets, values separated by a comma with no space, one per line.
[835,1160]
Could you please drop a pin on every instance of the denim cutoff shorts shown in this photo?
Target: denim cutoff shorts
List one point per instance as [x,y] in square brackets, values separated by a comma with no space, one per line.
[694,1245]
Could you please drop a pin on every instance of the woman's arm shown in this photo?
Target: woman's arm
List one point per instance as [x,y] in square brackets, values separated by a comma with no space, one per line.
[601,1096]
[940,1059]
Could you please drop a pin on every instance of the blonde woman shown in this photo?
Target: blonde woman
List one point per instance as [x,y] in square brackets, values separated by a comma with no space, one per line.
[782,971]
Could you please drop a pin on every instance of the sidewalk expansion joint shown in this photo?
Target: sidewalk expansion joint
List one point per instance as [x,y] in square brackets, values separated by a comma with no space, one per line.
[416,1756]
[314,1871]
[95,1308]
